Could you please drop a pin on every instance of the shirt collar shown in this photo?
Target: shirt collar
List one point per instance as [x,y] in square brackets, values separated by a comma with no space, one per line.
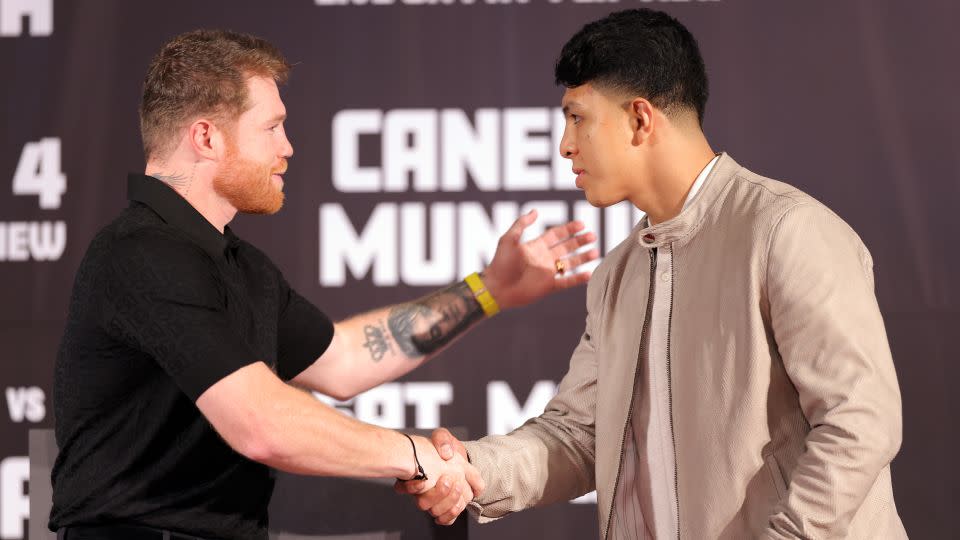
[701,178]
[176,211]
[713,180]
[697,184]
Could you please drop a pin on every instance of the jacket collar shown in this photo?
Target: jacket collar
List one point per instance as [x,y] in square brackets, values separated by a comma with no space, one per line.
[176,211]
[690,218]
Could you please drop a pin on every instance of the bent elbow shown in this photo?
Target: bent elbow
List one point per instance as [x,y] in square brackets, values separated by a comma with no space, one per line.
[343,394]
[256,444]
[339,389]
[881,444]
[890,444]
[254,449]
[329,380]
[889,437]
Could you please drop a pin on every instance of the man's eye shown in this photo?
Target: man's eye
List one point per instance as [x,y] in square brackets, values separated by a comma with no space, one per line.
[576,118]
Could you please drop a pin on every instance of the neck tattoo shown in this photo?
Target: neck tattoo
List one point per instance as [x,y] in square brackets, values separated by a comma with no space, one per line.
[178,181]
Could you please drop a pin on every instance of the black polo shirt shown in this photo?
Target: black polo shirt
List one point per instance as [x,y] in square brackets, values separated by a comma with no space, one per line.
[163,307]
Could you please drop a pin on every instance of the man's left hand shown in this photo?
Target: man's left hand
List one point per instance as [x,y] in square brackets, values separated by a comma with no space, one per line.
[523,272]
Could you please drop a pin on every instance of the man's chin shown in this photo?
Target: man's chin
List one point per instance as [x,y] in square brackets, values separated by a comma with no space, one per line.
[264,207]
[596,200]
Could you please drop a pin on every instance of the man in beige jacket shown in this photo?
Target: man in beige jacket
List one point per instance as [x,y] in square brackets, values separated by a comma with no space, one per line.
[734,378]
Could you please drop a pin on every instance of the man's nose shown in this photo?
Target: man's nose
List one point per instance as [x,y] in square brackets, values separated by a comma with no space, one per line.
[567,148]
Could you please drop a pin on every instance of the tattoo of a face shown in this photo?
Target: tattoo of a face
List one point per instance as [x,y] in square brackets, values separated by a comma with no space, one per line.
[376,341]
[424,326]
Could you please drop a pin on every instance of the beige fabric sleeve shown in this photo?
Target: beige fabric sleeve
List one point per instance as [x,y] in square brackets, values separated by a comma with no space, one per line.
[831,337]
[550,458]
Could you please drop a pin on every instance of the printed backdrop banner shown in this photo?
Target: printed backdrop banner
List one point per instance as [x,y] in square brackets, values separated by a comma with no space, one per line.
[423,128]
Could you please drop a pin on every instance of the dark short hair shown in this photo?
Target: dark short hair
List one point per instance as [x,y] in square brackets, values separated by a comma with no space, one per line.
[641,51]
[198,73]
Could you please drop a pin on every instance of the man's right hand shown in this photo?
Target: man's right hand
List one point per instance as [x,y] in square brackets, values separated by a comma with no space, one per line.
[458,484]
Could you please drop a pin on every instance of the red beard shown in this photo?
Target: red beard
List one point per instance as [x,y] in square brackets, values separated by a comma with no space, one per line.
[247,185]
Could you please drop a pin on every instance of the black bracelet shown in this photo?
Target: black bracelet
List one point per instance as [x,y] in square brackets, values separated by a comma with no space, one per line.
[421,474]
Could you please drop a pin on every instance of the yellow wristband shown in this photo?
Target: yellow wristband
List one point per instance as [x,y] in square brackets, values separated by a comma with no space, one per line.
[482,295]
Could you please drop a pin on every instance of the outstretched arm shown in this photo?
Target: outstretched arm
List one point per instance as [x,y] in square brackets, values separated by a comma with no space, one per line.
[269,421]
[383,344]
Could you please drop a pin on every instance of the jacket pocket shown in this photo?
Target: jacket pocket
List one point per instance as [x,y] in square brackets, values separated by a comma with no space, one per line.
[773,469]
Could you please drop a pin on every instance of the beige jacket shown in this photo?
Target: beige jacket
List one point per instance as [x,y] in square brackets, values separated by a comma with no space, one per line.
[785,405]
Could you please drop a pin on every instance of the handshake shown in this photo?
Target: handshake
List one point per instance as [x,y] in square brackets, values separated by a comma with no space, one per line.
[451,483]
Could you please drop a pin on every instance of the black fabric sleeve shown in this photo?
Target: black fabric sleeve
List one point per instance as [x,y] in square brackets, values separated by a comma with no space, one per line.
[304,332]
[167,300]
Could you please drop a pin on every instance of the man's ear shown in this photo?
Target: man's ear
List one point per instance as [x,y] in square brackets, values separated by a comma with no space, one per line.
[206,139]
[642,119]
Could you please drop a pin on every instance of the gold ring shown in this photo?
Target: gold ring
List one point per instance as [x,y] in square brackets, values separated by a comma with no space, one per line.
[561,267]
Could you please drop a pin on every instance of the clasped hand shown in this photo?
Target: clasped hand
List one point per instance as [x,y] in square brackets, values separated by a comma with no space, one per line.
[454,482]
[451,482]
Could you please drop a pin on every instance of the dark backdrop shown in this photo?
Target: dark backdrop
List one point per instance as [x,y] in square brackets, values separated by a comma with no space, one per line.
[853,102]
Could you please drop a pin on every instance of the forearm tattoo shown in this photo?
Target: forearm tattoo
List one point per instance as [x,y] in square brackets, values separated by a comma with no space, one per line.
[426,325]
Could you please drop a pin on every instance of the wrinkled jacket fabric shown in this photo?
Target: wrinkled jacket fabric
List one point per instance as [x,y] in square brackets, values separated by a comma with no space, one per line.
[784,401]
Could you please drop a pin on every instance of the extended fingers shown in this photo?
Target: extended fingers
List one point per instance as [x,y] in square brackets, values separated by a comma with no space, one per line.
[579,259]
[516,230]
[572,280]
[561,233]
[573,243]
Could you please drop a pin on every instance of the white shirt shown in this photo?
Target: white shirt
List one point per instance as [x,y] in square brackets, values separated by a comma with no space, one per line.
[645,506]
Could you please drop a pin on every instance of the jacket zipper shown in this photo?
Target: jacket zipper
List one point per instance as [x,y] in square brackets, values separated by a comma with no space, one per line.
[673,435]
[633,394]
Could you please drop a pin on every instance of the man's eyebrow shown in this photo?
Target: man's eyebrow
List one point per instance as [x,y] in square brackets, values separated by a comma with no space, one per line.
[566,108]
[278,118]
